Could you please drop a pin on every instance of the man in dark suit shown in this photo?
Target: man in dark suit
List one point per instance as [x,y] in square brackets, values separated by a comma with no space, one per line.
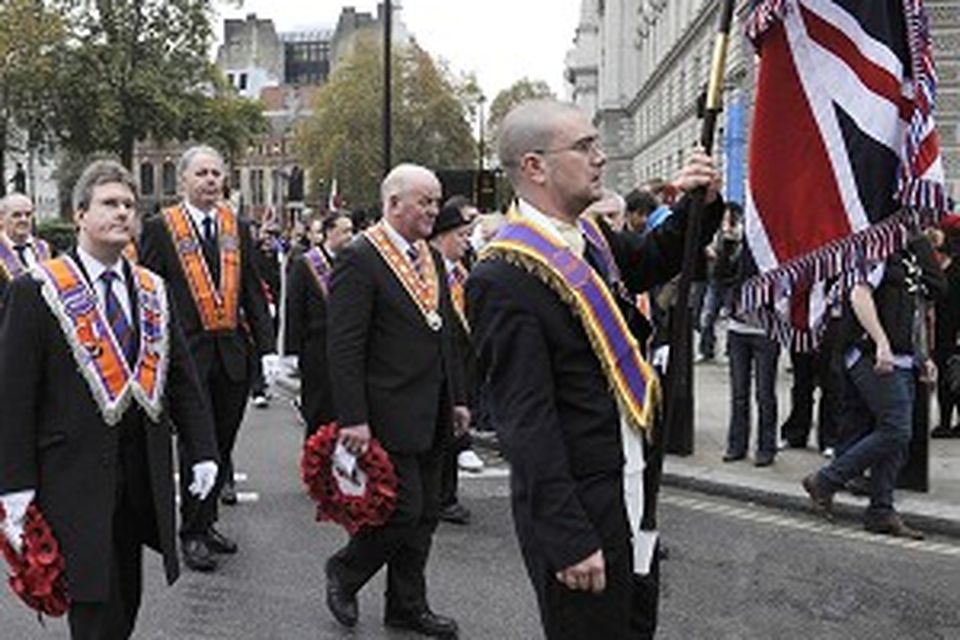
[306,317]
[87,427]
[397,378]
[578,475]
[206,254]
[19,248]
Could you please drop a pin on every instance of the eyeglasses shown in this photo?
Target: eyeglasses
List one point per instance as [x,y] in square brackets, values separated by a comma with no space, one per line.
[588,146]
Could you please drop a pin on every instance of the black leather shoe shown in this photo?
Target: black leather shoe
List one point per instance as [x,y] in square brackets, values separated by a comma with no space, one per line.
[455,513]
[219,543]
[945,432]
[730,456]
[228,495]
[763,459]
[822,497]
[341,602]
[197,556]
[425,622]
[892,525]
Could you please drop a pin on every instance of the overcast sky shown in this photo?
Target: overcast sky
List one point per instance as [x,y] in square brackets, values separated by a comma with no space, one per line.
[500,40]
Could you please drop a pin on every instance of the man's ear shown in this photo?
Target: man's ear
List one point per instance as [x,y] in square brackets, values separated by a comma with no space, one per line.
[531,165]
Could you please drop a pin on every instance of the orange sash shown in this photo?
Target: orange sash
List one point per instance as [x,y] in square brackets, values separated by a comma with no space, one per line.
[95,349]
[217,306]
[420,281]
[457,280]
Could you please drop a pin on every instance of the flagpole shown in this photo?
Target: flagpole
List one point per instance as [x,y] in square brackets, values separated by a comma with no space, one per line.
[679,378]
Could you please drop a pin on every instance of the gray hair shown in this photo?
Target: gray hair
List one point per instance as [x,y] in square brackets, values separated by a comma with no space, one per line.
[199,150]
[97,173]
[398,180]
[530,126]
[6,202]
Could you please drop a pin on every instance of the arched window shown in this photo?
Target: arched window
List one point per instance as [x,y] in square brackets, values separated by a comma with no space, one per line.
[169,179]
[147,185]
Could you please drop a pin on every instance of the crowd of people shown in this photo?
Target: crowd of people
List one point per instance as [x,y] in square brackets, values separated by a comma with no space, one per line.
[547,322]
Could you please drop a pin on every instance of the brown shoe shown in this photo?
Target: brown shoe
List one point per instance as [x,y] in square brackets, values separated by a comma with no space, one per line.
[822,498]
[892,525]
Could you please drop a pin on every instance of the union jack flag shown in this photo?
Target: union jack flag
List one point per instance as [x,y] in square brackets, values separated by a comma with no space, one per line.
[843,148]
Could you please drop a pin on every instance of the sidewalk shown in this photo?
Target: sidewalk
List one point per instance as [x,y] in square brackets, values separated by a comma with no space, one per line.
[937,511]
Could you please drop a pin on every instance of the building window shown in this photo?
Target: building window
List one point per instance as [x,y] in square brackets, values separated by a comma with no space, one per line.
[169,179]
[243,82]
[146,179]
[256,186]
[230,79]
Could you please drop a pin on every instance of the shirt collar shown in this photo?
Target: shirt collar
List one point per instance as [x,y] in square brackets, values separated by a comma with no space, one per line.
[198,215]
[29,242]
[95,268]
[398,240]
[560,231]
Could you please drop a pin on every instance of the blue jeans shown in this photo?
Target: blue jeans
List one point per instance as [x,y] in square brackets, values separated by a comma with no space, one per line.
[749,353]
[880,406]
[717,297]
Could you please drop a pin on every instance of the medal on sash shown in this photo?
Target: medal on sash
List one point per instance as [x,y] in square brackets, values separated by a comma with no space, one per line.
[95,348]
[419,281]
[633,381]
[217,305]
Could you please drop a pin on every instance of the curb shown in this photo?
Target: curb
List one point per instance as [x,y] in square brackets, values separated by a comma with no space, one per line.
[782,500]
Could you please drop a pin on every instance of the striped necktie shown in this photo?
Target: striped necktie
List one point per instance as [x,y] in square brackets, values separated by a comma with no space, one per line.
[118,318]
[414,256]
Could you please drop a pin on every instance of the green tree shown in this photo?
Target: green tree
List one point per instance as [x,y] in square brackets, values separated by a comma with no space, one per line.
[224,120]
[132,69]
[342,139]
[29,36]
[520,91]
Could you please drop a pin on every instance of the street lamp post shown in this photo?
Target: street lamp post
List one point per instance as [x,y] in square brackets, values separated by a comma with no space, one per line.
[387,54]
[480,142]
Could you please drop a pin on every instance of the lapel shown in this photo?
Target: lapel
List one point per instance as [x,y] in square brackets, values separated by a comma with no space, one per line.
[399,293]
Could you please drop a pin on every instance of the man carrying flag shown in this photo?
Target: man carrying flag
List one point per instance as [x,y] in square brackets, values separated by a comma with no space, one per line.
[844,159]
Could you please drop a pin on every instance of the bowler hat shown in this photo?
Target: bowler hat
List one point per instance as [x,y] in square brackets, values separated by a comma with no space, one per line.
[450,217]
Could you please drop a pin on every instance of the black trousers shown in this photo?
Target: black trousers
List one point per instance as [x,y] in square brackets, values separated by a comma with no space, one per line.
[228,401]
[448,475]
[403,543]
[134,523]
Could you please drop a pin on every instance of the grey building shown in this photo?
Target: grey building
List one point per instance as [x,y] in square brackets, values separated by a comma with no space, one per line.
[639,66]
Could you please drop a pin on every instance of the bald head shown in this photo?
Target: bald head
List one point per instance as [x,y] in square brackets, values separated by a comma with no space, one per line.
[529,127]
[411,200]
[16,217]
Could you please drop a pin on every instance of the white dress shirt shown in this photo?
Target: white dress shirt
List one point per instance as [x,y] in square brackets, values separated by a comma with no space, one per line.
[95,269]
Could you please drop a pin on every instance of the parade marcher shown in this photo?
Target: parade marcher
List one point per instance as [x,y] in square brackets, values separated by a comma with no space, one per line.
[451,237]
[568,412]
[206,255]
[398,379]
[19,179]
[883,344]
[86,433]
[19,248]
[947,327]
[306,329]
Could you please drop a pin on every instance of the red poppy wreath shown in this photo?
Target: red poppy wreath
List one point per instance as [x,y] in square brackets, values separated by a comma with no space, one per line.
[37,573]
[365,498]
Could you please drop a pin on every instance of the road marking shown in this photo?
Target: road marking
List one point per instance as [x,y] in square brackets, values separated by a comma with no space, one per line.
[248,496]
[760,517]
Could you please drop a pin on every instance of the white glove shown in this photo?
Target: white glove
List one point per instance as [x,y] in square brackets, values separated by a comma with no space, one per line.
[204,477]
[291,364]
[15,505]
[271,367]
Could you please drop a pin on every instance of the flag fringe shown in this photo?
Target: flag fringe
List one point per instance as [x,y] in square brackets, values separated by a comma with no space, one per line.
[763,16]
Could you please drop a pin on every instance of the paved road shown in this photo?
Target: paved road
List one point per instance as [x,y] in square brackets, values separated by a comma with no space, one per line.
[735,570]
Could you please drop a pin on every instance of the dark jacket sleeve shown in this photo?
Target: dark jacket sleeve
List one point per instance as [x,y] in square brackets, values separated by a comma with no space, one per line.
[349,313]
[515,361]
[653,258]
[252,300]
[150,252]
[296,306]
[186,405]
[22,354]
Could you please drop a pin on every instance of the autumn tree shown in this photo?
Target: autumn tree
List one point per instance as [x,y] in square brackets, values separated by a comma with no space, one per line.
[29,36]
[342,139]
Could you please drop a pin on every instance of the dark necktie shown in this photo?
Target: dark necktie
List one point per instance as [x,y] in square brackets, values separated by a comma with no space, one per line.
[118,318]
[211,252]
[21,250]
[414,256]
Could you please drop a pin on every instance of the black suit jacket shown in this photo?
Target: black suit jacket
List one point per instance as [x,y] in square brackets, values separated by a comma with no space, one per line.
[306,336]
[53,439]
[558,422]
[158,254]
[388,368]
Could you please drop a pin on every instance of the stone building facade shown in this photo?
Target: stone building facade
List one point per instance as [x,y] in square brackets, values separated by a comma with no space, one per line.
[639,66]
